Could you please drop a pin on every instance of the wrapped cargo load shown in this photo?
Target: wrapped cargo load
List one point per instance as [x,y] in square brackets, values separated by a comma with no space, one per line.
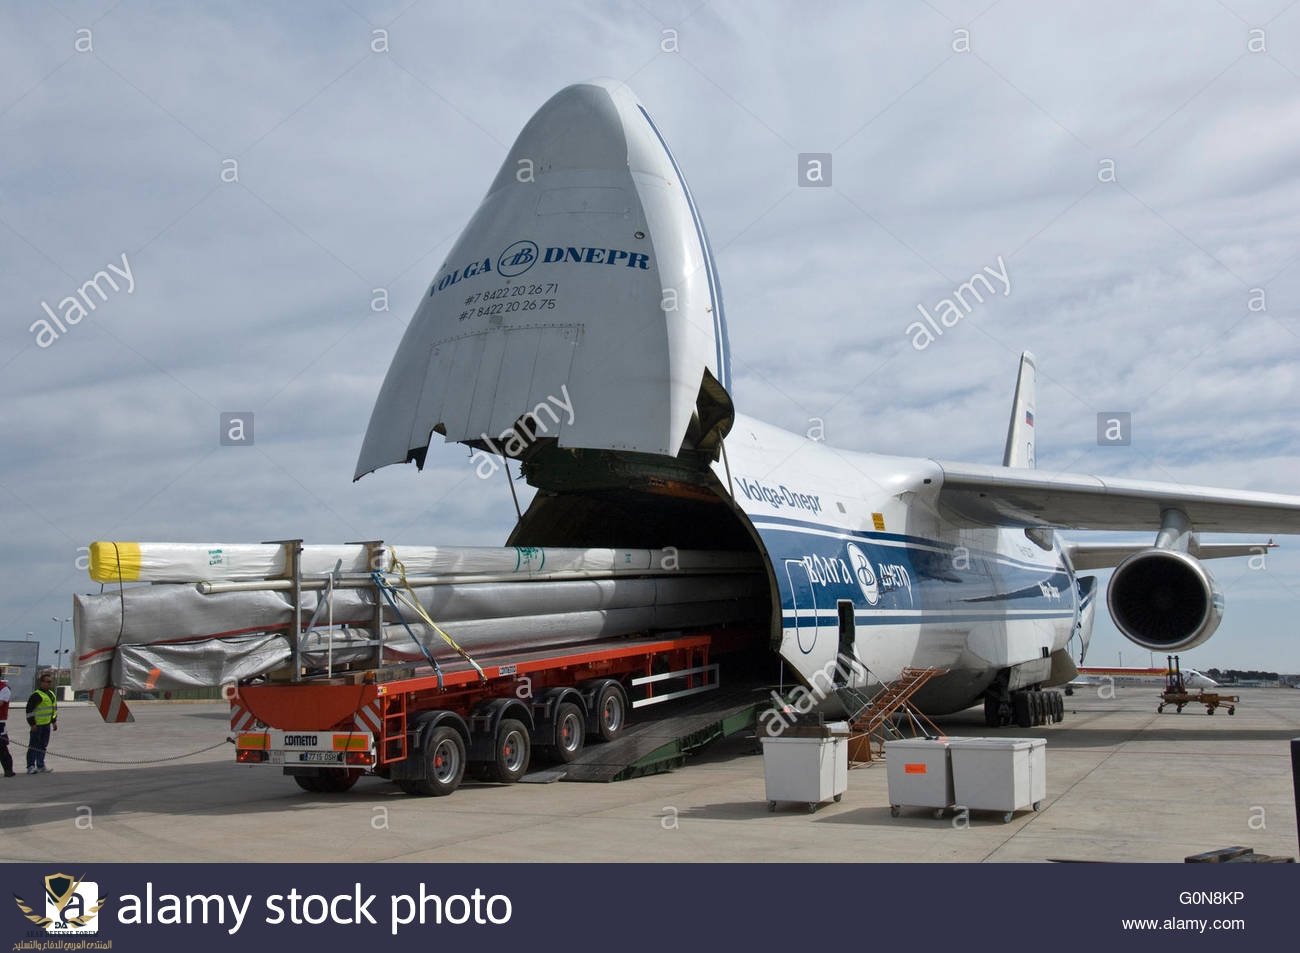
[120,562]
[171,636]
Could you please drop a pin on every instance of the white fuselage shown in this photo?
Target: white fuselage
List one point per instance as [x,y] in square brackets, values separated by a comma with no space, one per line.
[864,530]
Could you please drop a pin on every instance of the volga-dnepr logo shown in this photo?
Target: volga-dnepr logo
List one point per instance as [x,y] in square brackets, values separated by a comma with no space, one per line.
[517,259]
[71,906]
[863,572]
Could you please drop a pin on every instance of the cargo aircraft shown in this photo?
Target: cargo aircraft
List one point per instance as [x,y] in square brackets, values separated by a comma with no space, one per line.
[585,280]
[1101,677]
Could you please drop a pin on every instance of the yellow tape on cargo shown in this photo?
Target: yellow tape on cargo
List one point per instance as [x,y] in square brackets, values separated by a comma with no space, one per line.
[115,562]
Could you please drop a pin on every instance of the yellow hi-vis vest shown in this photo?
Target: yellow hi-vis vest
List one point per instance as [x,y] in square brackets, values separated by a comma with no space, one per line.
[45,711]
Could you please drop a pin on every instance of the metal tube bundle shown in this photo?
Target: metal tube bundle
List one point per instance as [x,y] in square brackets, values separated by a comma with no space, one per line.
[182,635]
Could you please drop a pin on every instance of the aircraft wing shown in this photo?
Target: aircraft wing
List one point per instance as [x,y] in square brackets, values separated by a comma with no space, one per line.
[1085,556]
[974,494]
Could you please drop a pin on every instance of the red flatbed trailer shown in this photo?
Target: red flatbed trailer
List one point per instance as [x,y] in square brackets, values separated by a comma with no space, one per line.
[424,729]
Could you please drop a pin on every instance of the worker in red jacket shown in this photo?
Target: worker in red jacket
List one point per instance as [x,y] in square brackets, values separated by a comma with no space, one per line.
[6,760]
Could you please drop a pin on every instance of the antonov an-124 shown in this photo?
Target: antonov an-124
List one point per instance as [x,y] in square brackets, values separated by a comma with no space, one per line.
[577,331]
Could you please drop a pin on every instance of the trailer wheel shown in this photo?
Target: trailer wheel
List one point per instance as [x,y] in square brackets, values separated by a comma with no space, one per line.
[510,752]
[328,782]
[570,732]
[611,712]
[444,761]
[336,782]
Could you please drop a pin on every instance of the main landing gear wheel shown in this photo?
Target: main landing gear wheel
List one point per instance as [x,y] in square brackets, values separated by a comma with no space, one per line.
[510,755]
[1020,705]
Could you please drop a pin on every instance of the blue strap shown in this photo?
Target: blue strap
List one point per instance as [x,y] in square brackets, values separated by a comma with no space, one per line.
[385,588]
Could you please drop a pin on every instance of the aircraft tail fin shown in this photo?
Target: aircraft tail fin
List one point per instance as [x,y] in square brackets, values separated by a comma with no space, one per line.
[1019,451]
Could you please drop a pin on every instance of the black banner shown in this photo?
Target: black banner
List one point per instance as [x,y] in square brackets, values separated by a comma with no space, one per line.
[141,907]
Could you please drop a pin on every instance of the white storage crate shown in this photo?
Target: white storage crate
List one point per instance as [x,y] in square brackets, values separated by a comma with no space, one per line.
[808,764]
[999,774]
[919,774]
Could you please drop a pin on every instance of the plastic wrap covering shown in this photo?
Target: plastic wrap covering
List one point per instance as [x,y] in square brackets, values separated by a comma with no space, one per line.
[112,562]
[164,637]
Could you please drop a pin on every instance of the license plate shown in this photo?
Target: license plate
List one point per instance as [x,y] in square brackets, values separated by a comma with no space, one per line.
[328,757]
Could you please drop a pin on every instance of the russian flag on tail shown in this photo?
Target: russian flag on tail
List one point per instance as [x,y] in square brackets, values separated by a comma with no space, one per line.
[1029,417]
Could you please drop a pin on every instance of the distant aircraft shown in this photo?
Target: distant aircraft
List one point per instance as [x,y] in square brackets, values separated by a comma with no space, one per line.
[585,281]
[1089,676]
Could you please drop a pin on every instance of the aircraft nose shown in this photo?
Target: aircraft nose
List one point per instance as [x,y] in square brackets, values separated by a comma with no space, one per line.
[584,281]
[580,128]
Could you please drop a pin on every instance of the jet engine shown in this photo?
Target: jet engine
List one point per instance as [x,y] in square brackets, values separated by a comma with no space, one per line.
[1164,600]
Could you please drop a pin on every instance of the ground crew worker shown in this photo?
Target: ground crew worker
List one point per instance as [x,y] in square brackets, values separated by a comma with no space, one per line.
[6,760]
[43,717]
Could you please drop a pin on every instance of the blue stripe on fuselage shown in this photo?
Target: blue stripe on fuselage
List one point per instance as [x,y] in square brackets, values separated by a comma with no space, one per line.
[893,579]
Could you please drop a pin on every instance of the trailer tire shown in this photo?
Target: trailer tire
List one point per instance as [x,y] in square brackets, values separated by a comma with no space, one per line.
[610,712]
[328,782]
[443,752]
[570,732]
[510,752]
[336,782]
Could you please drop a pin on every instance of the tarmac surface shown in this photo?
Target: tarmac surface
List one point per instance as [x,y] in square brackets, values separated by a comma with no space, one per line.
[1123,784]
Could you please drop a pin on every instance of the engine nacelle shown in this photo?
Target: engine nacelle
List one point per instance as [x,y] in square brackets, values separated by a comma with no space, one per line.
[1164,600]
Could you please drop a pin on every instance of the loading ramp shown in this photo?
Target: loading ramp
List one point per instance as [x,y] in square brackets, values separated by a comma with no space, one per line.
[653,746]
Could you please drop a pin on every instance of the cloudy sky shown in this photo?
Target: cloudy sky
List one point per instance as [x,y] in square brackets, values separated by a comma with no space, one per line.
[1135,167]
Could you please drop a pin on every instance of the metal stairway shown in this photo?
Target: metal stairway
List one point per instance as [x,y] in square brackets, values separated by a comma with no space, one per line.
[871,722]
